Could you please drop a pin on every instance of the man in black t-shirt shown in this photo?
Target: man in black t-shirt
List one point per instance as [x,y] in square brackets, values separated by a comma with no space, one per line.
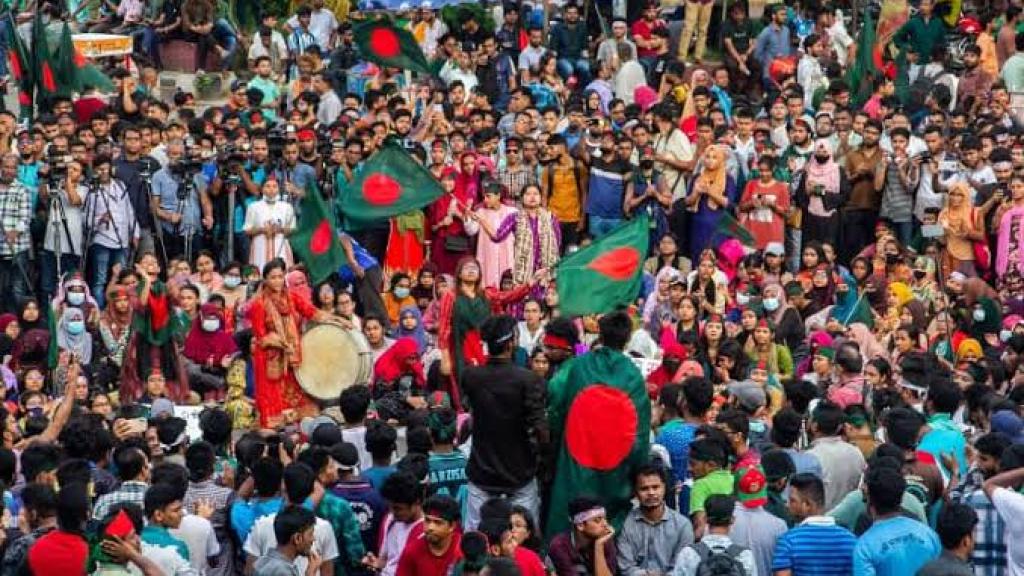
[738,41]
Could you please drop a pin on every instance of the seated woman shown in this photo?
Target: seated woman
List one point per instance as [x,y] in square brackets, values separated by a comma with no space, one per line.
[399,382]
[209,351]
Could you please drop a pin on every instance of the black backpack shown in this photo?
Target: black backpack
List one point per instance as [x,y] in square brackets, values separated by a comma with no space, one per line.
[719,563]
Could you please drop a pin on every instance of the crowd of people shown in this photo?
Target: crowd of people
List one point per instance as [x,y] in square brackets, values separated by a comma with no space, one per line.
[822,373]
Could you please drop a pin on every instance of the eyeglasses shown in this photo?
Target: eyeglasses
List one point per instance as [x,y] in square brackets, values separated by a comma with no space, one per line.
[512,151]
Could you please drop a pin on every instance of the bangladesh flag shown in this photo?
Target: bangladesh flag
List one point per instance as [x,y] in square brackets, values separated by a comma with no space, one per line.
[605,274]
[600,421]
[20,65]
[382,42]
[314,240]
[390,183]
[860,75]
[75,72]
[729,227]
[45,73]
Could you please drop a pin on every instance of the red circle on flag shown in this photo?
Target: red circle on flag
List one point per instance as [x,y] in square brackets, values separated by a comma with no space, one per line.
[381,190]
[384,43]
[601,428]
[618,264]
[320,240]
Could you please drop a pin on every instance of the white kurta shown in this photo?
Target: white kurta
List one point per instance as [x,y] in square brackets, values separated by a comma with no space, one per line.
[263,249]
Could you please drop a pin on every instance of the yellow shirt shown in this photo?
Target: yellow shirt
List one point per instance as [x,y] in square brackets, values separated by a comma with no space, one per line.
[564,196]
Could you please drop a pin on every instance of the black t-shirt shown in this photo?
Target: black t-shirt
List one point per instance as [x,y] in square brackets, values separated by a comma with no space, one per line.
[741,34]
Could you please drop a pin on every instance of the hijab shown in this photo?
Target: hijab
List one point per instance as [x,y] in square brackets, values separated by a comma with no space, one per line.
[117,322]
[298,284]
[75,281]
[393,364]
[200,345]
[38,323]
[869,346]
[78,344]
[714,179]
[417,334]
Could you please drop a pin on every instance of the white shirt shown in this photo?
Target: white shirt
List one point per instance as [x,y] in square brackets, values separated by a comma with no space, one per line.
[527,341]
[116,231]
[839,38]
[431,33]
[688,560]
[1010,506]
[197,533]
[396,534]
[811,76]
[677,146]
[627,79]
[262,540]
[530,56]
[357,437]
[322,25]
[261,213]
[277,44]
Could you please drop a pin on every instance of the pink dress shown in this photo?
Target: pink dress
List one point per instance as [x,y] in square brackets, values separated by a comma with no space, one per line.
[494,257]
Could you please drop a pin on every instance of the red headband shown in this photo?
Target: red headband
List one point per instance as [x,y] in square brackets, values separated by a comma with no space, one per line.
[557,342]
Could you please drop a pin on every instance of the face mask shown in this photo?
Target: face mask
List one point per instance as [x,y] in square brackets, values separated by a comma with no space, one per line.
[771,304]
[978,315]
[742,299]
[76,298]
[232,281]
[1005,335]
[210,324]
[76,327]
[646,164]
[401,293]
[919,274]
[821,159]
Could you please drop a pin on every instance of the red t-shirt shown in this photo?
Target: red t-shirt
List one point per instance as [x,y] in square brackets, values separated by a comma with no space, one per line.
[417,560]
[529,562]
[642,28]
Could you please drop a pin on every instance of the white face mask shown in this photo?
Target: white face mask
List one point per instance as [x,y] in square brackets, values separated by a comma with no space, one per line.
[76,298]
[210,324]
[1005,335]
[979,315]
[742,299]
[771,304]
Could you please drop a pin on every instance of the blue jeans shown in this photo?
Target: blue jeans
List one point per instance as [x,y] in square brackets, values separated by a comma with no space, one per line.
[225,36]
[600,226]
[581,67]
[904,231]
[100,260]
[48,271]
[151,45]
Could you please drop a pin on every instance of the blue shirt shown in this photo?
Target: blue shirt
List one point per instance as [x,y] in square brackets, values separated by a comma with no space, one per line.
[28,174]
[945,437]
[896,546]
[607,187]
[244,514]
[771,44]
[816,547]
[676,436]
[377,475]
[165,187]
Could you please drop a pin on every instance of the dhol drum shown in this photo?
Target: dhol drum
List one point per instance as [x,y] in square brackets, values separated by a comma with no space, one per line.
[333,359]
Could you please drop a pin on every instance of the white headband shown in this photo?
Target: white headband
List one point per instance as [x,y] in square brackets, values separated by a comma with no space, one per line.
[588,515]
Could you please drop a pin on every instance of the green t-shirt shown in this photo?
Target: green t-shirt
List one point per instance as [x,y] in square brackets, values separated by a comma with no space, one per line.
[717,482]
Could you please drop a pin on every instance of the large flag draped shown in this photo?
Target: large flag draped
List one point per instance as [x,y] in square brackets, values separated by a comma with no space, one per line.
[605,274]
[862,70]
[600,417]
[43,63]
[75,71]
[314,240]
[382,42]
[390,183]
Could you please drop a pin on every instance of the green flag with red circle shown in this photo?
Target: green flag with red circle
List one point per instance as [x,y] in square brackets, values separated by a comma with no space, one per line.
[315,241]
[47,83]
[20,65]
[381,42]
[606,274]
[390,183]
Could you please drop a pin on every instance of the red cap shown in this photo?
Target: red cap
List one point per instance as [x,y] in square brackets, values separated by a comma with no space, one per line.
[752,487]
[121,526]
[306,135]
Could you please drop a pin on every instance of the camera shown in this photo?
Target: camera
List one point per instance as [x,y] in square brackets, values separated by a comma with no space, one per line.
[58,165]
[277,137]
[186,167]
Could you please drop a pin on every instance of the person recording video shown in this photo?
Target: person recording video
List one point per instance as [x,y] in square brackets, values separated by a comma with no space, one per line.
[181,203]
[113,229]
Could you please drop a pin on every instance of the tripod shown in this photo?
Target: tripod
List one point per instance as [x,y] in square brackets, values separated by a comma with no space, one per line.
[107,220]
[60,223]
[185,189]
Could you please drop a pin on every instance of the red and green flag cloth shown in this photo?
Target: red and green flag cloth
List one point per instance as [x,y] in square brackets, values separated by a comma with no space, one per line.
[862,71]
[19,62]
[43,63]
[600,419]
[606,274]
[390,183]
[381,42]
[74,72]
[315,241]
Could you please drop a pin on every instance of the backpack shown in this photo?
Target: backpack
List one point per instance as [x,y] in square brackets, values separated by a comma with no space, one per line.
[719,563]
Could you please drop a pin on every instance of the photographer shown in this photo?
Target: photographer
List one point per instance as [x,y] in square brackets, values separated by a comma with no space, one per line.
[15,239]
[308,153]
[110,220]
[242,174]
[293,175]
[181,203]
[65,194]
[135,170]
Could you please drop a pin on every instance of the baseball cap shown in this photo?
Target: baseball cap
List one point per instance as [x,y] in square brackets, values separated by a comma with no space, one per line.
[306,135]
[752,487]
[1008,423]
[346,455]
[749,394]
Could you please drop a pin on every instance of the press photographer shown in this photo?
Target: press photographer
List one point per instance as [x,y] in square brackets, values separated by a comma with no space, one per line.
[135,169]
[294,175]
[240,175]
[64,193]
[112,228]
[15,239]
[181,202]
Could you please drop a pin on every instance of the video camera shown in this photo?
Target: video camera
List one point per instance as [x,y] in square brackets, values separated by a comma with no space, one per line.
[58,165]
[277,137]
[185,167]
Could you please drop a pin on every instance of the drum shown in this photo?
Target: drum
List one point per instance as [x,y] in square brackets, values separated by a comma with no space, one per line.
[333,359]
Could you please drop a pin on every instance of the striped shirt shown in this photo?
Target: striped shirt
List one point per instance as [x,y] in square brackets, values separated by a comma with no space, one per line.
[130,492]
[989,555]
[817,546]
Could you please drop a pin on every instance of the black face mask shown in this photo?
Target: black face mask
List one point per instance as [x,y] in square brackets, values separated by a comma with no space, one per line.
[821,159]
[919,274]
[646,164]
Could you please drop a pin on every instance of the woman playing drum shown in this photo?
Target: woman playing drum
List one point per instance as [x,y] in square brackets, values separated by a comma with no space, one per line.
[276,314]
